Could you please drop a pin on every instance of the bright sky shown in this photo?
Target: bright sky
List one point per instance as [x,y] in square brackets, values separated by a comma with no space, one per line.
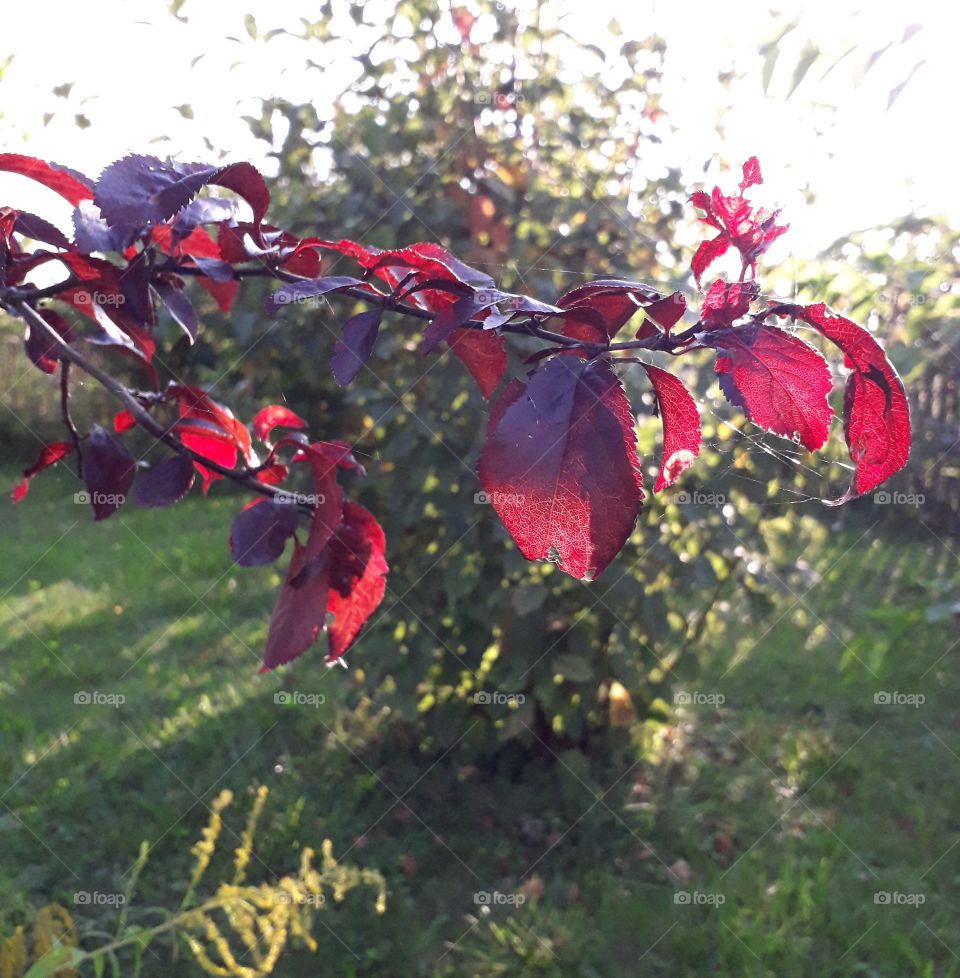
[131,63]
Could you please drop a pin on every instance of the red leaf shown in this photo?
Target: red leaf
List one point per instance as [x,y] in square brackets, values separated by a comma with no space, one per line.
[483,354]
[357,576]
[751,174]
[195,403]
[50,455]
[123,421]
[681,425]
[560,465]
[748,230]
[71,185]
[433,260]
[779,381]
[273,416]
[298,614]
[707,254]
[876,415]
[726,302]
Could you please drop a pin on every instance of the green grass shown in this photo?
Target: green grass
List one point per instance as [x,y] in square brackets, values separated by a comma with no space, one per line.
[794,800]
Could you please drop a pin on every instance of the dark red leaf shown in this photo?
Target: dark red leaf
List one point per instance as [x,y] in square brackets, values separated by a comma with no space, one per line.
[108,471]
[596,311]
[298,614]
[454,316]
[876,415]
[71,185]
[779,381]
[358,337]
[668,311]
[164,483]
[357,576]
[274,416]
[39,348]
[259,534]
[50,455]
[681,425]
[560,466]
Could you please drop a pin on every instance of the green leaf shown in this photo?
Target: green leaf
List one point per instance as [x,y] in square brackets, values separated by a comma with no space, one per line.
[60,956]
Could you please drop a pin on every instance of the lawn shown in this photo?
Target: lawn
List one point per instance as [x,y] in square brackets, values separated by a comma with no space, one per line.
[795,815]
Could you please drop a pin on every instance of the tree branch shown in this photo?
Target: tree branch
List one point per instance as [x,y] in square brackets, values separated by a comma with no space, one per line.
[69,353]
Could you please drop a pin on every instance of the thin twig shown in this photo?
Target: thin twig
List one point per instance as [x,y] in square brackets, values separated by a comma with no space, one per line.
[65,412]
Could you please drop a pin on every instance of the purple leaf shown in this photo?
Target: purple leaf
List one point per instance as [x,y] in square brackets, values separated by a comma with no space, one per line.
[259,534]
[92,233]
[108,471]
[40,230]
[354,349]
[179,306]
[144,190]
[165,483]
[297,291]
